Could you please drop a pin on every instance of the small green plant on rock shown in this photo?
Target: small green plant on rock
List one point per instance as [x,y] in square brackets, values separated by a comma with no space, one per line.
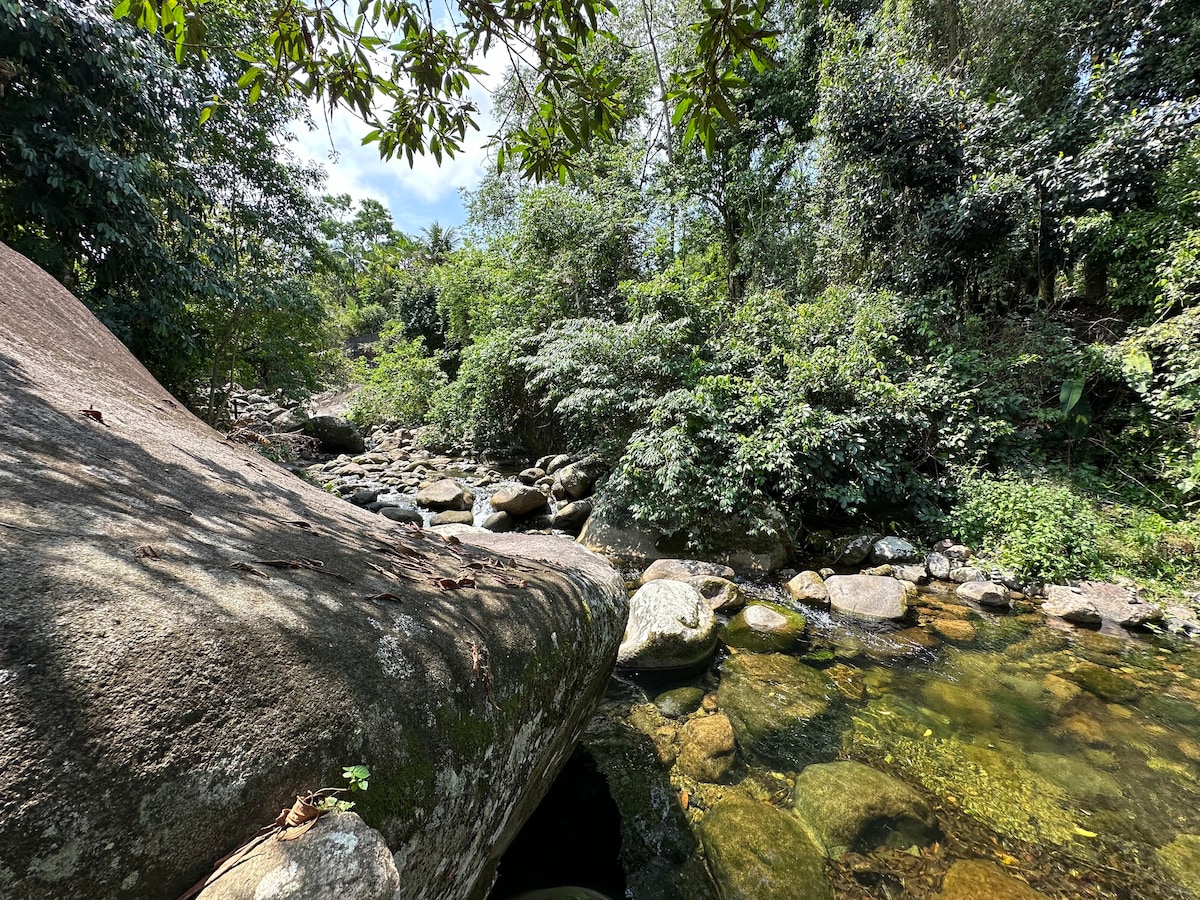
[359,778]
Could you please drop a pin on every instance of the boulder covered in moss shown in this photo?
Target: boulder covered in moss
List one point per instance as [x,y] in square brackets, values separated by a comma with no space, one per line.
[192,636]
[765,628]
[758,852]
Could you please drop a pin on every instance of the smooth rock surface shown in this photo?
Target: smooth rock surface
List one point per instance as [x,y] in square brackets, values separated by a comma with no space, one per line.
[809,587]
[684,569]
[764,628]
[445,493]
[985,593]
[722,594]
[518,500]
[670,627]
[336,435]
[1070,605]
[893,550]
[975,879]
[1110,601]
[339,857]
[166,691]
[869,596]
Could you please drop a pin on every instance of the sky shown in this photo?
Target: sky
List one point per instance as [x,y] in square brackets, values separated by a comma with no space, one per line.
[416,196]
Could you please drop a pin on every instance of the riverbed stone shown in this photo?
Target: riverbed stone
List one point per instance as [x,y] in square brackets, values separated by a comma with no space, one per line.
[893,550]
[706,748]
[499,522]
[445,493]
[402,514]
[764,628]
[683,569]
[571,516]
[531,476]
[1092,602]
[774,703]
[975,879]
[166,691]
[853,550]
[869,596]
[964,574]
[958,631]
[809,587]
[452,517]
[985,593]
[678,702]
[1105,683]
[518,500]
[722,594]
[758,852]
[847,806]
[670,627]
[914,572]
[1181,858]
[339,857]
[938,565]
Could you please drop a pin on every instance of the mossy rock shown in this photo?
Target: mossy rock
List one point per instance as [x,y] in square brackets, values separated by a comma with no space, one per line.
[1105,683]
[778,707]
[847,806]
[1040,641]
[758,852]
[765,628]
[1075,776]
[1171,709]
[678,702]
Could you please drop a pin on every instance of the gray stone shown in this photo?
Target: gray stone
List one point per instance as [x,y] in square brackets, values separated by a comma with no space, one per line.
[402,514]
[339,857]
[334,434]
[847,806]
[579,478]
[679,701]
[985,593]
[963,574]
[364,497]
[165,692]
[869,596]
[445,493]
[722,594]
[809,587]
[572,516]
[614,532]
[938,565]
[1112,602]
[683,569]
[453,517]
[670,627]
[957,553]
[500,521]
[893,550]
[518,500]
[1071,605]
[853,551]
[554,463]
[917,574]
[531,475]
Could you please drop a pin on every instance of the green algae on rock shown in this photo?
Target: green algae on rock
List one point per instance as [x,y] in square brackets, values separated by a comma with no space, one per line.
[758,852]
[764,628]
[848,806]
[975,879]
[775,702]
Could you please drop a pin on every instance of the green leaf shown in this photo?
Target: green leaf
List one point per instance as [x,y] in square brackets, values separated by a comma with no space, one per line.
[1072,390]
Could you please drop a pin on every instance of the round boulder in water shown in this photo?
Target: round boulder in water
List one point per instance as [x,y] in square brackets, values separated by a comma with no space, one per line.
[670,627]
[869,596]
[764,628]
[518,500]
[445,493]
[893,550]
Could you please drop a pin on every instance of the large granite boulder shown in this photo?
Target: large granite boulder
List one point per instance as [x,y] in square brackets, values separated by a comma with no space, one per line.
[335,435]
[191,636]
[445,493]
[1094,602]
[518,500]
[683,570]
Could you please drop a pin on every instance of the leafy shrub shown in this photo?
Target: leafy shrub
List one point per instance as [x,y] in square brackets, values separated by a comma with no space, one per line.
[360,318]
[399,384]
[1040,527]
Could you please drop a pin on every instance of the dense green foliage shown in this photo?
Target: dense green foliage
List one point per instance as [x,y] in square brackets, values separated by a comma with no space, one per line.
[935,268]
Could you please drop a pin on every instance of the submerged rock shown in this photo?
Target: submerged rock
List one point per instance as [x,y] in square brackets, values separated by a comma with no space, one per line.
[974,879]
[758,852]
[847,806]
[764,628]
[773,702]
[670,627]
[1181,858]
[870,596]
[706,748]
[339,857]
[679,701]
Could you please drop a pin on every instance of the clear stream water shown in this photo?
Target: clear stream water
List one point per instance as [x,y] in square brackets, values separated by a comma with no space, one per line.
[1068,756]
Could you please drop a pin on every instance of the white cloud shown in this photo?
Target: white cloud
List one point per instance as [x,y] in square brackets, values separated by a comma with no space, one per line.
[415,195]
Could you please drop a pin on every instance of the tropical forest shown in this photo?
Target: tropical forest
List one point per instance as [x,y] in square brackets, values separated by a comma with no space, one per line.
[779,479]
